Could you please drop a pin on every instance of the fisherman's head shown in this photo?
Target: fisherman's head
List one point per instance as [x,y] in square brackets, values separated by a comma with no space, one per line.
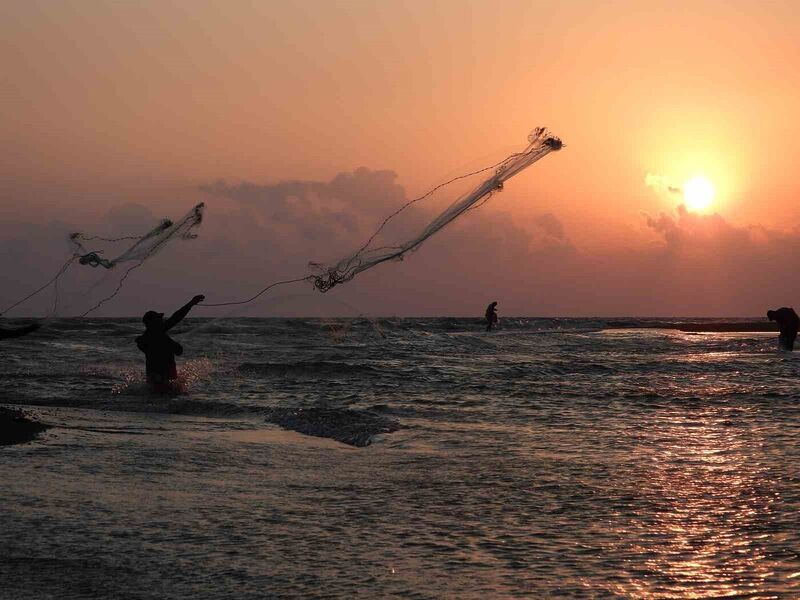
[771,315]
[153,319]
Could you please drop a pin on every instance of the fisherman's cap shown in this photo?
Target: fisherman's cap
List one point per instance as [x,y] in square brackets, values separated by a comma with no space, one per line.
[151,315]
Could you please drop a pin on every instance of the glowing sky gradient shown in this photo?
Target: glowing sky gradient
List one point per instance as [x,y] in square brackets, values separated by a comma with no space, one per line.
[123,107]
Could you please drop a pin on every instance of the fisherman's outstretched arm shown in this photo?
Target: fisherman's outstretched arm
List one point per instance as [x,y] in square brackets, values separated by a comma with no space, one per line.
[179,314]
[15,333]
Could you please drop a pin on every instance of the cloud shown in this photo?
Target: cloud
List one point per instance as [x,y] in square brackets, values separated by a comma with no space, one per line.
[712,266]
[687,230]
[314,219]
[551,226]
[677,263]
[661,183]
[481,249]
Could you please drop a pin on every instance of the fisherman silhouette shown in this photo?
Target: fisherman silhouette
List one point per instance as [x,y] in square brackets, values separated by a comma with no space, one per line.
[19,331]
[491,315]
[160,349]
[788,323]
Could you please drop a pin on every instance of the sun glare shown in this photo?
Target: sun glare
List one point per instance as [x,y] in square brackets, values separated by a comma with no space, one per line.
[698,193]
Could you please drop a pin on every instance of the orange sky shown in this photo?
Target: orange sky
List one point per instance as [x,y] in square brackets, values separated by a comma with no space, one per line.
[105,102]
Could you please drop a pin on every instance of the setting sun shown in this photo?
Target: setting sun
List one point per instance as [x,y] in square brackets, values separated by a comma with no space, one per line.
[698,193]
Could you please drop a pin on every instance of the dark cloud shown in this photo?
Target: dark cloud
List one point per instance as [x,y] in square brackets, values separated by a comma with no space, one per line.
[318,210]
[693,232]
[325,221]
[661,183]
[551,226]
[254,234]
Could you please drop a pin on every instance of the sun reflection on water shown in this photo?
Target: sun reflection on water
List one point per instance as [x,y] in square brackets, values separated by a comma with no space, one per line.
[704,509]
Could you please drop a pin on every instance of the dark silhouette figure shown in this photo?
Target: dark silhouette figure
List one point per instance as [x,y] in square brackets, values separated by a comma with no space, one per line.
[491,316]
[18,332]
[788,324]
[160,349]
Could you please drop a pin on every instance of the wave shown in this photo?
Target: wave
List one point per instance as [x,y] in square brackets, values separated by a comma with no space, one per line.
[305,368]
[697,325]
[280,325]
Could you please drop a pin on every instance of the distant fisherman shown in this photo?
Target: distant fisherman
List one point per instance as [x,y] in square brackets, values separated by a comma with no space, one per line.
[18,332]
[491,316]
[788,324]
[160,350]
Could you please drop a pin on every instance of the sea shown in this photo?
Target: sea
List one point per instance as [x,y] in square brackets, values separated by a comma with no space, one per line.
[403,458]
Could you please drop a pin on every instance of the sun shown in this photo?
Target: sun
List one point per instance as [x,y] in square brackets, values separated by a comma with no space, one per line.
[698,193]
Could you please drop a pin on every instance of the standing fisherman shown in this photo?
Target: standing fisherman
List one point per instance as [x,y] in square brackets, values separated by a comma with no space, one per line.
[788,323]
[159,349]
[491,316]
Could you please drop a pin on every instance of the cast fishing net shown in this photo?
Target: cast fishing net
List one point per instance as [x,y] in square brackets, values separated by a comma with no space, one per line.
[94,251]
[324,277]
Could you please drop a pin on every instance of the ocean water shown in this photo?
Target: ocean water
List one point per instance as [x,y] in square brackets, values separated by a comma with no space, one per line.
[547,459]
